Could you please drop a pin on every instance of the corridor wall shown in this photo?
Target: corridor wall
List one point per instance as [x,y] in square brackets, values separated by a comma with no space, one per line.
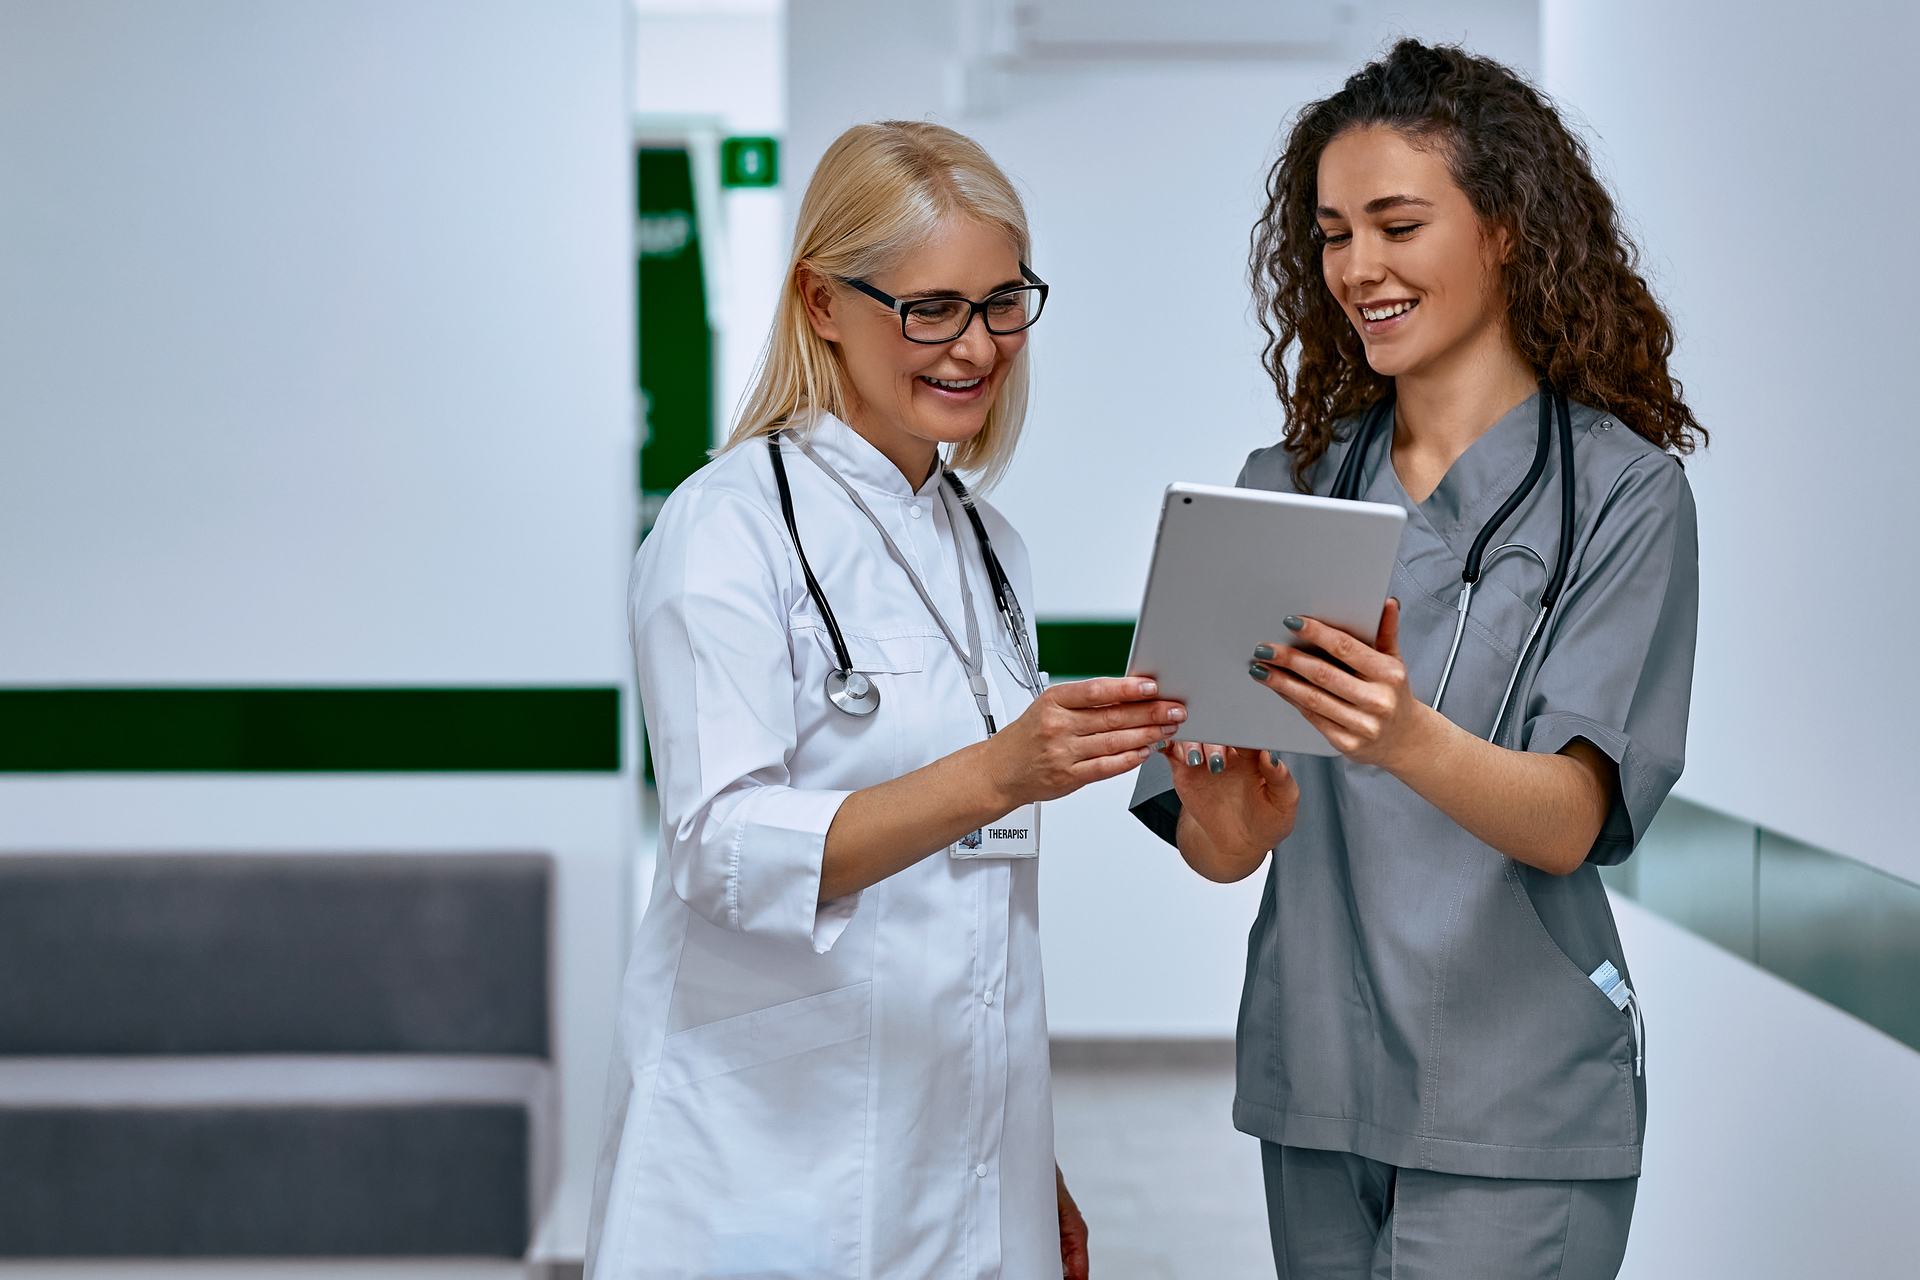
[316,371]
[1758,152]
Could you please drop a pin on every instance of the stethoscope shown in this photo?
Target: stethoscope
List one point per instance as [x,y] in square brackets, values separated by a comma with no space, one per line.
[1347,485]
[851,691]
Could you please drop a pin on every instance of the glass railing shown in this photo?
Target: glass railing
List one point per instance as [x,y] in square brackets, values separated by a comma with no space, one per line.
[1839,929]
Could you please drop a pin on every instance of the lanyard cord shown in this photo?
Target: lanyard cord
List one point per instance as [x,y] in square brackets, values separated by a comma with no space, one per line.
[1003,593]
[973,657]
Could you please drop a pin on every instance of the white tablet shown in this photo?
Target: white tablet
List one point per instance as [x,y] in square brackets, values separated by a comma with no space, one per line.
[1228,565]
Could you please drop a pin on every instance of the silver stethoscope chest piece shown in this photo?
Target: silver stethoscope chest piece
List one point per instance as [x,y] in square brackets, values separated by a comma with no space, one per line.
[853,693]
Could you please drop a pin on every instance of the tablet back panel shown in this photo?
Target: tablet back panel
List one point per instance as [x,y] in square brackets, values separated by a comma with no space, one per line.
[1228,565]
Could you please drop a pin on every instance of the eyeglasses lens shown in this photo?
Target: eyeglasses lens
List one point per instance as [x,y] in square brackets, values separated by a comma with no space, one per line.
[943,319]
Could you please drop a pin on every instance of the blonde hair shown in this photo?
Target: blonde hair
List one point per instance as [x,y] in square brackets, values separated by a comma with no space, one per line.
[881,191]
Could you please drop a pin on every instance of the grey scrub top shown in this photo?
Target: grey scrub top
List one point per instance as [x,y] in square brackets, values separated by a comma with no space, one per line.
[1413,996]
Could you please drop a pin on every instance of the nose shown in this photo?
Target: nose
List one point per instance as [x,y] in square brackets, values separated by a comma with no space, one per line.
[1362,264]
[975,344]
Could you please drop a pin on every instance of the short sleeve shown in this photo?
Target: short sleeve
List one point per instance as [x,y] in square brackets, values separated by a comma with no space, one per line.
[1618,668]
[1155,802]
[711,643]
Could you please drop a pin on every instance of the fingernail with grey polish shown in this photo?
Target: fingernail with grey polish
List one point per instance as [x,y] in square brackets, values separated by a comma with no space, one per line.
[1216,764]
[1292,623]
[1258,672]
[1193,757]
[1273,758]
[1264,652]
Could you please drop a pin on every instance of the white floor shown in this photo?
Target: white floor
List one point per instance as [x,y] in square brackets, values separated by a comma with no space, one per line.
[1170,1190]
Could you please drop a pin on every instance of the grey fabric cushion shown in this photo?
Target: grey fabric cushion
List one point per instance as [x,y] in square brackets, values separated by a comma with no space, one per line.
[264,1181]
[166,954]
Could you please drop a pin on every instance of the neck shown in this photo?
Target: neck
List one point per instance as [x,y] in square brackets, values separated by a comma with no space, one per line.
[1440,411]
[916,458]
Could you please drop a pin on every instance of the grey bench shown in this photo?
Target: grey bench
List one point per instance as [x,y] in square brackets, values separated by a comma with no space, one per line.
[280,1055]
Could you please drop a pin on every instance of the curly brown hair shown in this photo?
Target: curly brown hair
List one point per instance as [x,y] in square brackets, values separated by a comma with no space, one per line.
[1578,308]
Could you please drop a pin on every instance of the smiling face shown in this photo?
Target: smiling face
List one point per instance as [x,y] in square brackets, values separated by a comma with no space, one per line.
[1407,258]
[908,398]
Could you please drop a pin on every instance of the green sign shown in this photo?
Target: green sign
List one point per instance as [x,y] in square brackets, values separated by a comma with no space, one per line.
[749,162]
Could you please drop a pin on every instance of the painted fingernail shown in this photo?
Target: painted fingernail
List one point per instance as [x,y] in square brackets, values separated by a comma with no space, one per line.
[1264,652]
[1258,672]
[1216,763]
[1292,623]
[1193,757]
[1148,688]
[1273,758]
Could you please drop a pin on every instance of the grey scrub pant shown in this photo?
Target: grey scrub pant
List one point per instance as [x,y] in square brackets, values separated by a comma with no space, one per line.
[1338,1216]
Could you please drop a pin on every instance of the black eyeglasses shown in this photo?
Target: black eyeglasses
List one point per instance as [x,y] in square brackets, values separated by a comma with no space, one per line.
[936,320]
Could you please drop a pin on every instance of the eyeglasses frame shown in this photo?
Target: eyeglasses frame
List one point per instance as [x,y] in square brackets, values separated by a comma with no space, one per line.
[899,307]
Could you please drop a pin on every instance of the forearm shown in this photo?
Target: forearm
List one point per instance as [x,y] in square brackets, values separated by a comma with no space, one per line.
[886,828]
[1543,810]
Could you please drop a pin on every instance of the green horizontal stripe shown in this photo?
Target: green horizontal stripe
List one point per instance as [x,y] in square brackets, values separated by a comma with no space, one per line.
[324,730]
[1085,646]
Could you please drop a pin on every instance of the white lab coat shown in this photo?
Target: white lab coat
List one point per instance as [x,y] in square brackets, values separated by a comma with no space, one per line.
[848,1089]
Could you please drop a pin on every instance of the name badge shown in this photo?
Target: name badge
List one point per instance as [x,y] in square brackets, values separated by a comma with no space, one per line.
[1015,836]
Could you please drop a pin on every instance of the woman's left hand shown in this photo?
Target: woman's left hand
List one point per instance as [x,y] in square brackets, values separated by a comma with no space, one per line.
[1073,1233]
[1366,712]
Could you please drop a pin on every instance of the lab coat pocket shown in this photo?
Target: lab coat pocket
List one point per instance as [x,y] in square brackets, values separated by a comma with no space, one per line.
[873,655]
[756,1145]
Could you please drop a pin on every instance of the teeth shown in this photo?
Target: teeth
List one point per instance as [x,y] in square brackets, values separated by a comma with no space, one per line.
[955,386]
[1384,313]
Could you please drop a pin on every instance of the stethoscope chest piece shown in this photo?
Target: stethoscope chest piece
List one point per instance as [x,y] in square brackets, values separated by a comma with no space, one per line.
[853,693]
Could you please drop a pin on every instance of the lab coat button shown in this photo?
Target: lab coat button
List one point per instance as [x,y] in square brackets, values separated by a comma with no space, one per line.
[988,997]
[979,1171]
[915,511]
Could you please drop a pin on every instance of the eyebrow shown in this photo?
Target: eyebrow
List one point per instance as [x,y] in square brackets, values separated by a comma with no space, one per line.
[1377,206]
[923,295]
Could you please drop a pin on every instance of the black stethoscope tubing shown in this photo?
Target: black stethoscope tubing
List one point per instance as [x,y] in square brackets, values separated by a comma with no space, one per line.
[1553,404]
[861,697]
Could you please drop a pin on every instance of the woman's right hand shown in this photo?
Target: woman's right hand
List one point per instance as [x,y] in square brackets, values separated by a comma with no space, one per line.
[1235,806]
[1077,733]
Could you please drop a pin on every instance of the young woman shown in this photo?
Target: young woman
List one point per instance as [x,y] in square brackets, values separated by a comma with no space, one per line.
[833,1046]
[1437,1045]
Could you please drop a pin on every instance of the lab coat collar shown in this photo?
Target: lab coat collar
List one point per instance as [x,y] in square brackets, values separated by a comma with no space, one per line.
[864,466]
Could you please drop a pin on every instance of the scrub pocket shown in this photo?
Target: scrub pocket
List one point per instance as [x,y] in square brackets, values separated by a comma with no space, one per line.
[755,1145]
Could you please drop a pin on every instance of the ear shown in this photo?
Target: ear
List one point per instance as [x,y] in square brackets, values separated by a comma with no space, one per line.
[816,294]
[1499,244]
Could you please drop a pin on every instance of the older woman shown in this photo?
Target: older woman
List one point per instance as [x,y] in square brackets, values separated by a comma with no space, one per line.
[833,1044]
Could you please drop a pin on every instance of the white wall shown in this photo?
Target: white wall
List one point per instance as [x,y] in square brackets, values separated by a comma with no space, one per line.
[1764,155]
[1783,1136]
[1142,181]
[315,368]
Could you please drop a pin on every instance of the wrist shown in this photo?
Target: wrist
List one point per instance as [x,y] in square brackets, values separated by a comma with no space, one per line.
[993,792]
[1425,745]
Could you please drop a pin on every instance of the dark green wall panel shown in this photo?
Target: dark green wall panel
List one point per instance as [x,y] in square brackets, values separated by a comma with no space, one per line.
[1084,647]
[309,730]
